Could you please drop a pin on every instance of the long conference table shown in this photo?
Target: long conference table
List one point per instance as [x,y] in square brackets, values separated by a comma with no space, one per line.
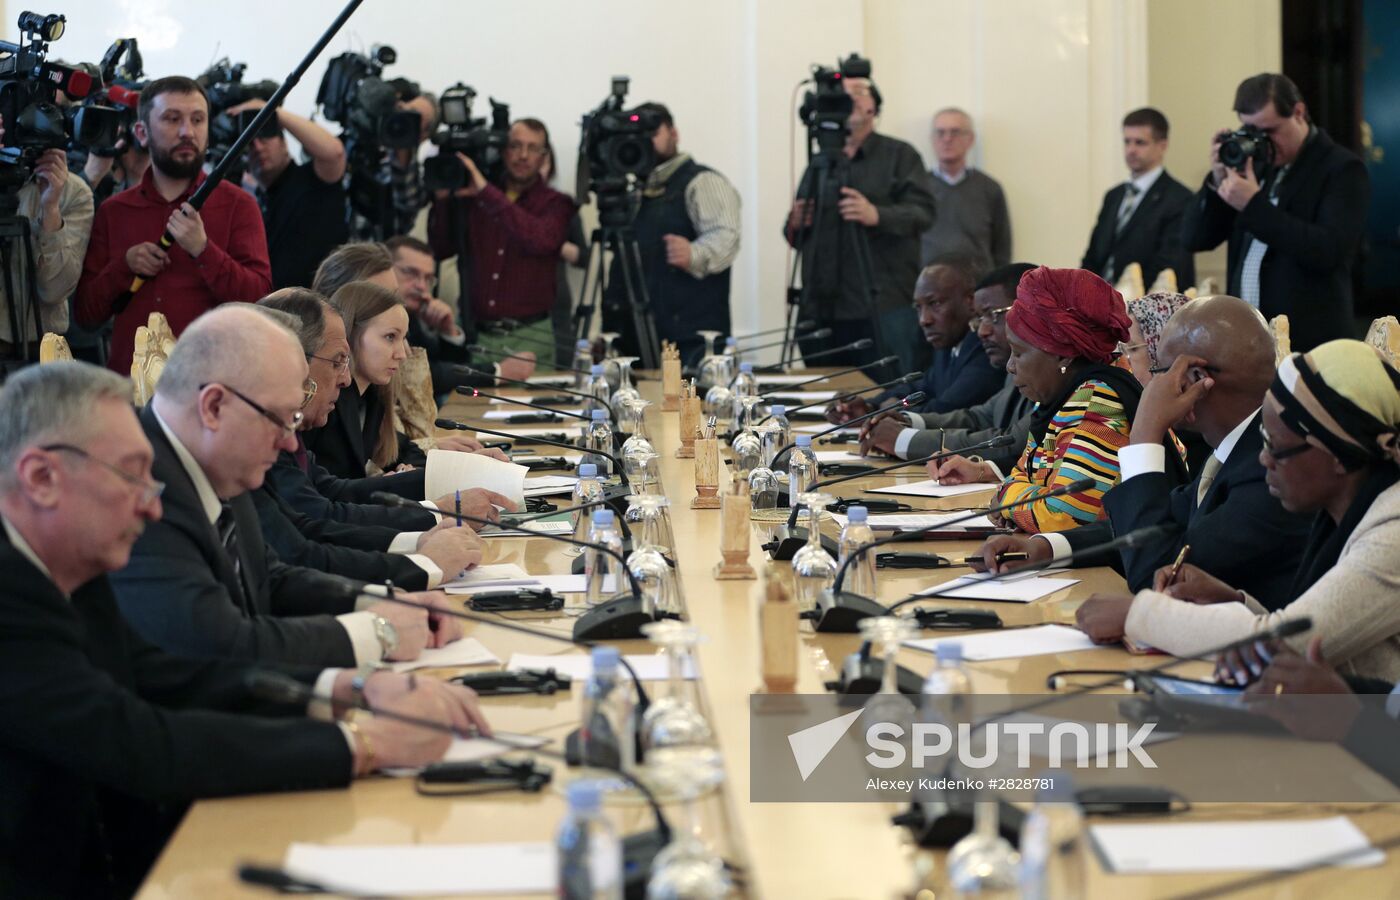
[784,850]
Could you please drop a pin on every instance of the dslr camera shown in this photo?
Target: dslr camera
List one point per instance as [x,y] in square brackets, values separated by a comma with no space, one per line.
[1240,146]
[484,144]
[827,107]
[30,103]
[615,153]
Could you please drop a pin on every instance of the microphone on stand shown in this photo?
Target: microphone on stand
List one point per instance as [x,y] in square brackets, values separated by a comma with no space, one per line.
[903,379]
[818,335]
[782,389]
[913,399]
[806,323]
[862,344]
[467,390]
[452,425]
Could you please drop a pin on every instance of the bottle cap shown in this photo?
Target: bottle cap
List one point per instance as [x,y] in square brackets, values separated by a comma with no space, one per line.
[605,658]
[746,367]
[582,345]
[731,342]
[949,651]
[804,440]
[779,409]
[585,795]
[856,515]
[588,470]
[600,415]
[596,369]
[605,517]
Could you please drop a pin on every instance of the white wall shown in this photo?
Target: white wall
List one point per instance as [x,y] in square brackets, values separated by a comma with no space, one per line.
[1047,80]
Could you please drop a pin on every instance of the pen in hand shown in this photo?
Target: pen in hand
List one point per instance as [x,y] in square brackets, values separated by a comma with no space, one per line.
[1176,566]
[459,507]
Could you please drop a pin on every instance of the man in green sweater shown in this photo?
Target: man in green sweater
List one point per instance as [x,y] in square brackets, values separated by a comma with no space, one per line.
[972,222]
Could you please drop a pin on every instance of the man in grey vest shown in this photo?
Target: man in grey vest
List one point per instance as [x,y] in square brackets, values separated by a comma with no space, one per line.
[972,222]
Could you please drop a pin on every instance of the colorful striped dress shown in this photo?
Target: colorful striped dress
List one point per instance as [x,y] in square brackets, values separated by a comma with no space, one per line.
[1082,441]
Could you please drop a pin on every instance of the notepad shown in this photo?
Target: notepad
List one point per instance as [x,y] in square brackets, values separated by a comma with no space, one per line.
[931,488]
[1038,641]
[580,667]
[417,870]
[465,652]
[561,380]
[1153,848]
[915,521]
[487,575]
[530,529]
[544,485]
[453,470]
[473,749]
[800,396]
[1025,589]
[845,456]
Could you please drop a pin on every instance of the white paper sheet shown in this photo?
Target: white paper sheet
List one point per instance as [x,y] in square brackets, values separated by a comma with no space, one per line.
[530,529]
[818,426]
[452,470]
[800,396]
[472,749]
[466,652]
[580,667]
[1026,589]
[544,485]
[564,380]
[931,488]
[574,584]
[567,429]
[427,869]
[1231,846]
[517,410]
[494,573]
[914,521]
[778,380]
[570,458]
[1012,644]
[846,456]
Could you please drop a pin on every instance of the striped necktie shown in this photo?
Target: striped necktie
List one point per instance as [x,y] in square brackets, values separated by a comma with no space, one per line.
[1208,473]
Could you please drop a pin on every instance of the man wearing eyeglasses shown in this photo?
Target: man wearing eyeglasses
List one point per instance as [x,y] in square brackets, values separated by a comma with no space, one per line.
[972,219]
[303,204]
[201,581]
[108,738]
[506,237]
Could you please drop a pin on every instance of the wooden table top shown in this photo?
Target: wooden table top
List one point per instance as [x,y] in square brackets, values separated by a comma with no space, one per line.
[787,850]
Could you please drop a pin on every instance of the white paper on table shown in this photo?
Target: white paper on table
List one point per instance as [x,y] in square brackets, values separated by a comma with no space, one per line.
[574,584]
[795,378]
[915,521]
[544,485]
[580,667]
[931,488]
[818,426]
[1014,643]
[404,870]
[453,470]
[802,396]
[562,428]
[1231,846]
[506,414]
[563,380]
[1026,589]
[846,456]
[569,458]
[465,652]
[473,749]
[529,529]
[493,573]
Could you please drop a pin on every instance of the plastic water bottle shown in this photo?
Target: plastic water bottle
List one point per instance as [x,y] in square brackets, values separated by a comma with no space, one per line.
[608,734]
[860,575]
[590,856]
[600,389]
[802,469]
[599,437]
[745,384]
[778,434]
[588,488]
[731,348]
[599,568]
[949,676]
[1052,843]
[583,363]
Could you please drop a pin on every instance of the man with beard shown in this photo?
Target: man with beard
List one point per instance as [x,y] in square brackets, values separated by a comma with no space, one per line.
[303,204]
[219,254]
[687,230]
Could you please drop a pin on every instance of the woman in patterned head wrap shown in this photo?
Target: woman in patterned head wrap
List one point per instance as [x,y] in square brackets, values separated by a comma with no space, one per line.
[1331,426]
[1149,314]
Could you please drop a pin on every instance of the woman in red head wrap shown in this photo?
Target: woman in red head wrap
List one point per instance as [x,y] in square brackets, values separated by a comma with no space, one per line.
[1064,331]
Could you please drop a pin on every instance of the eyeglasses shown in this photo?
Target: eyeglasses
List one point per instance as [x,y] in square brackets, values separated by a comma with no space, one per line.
[340,364]
[990,317]
[289,427]
[308,390]
[1286,452]
[150,490]
[426,277]
[942,133]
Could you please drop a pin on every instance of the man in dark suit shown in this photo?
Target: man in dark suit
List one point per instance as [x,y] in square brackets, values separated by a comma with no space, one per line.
[1293,230]
[201,581]
[108,738]
[1005,412]
[1140,220]
[1221,360]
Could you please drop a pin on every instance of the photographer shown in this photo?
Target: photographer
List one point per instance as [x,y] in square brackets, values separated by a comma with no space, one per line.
[687,230]
[890,195]
[303,204]
[220,253]
[58,208]
[1293,229]
[507,236]
[405,173]
[109,175]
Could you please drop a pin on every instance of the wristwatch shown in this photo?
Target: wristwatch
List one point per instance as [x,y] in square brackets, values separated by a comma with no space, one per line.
[361,677]
[388,636]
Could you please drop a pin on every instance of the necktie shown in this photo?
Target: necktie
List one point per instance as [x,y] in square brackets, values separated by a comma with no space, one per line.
[228,537]
[1208,473]
[1125,210]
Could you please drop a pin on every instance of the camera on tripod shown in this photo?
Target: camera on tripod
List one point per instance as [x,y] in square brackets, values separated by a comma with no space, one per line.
[355,94]
[1244,144]
[29,102]
[616,152]
[484,144]
[122,91]
[826,109]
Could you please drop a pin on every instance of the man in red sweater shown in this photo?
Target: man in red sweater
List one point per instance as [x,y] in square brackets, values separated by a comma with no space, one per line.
[220,251]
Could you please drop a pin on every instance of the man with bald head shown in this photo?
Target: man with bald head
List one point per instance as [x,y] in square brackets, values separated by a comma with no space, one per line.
[201,581]
[1216,360]
[972,217]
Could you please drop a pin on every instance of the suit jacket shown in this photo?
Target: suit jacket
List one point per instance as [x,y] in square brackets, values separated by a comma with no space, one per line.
[1312,235]
[954,382]
[1151,238]
[1005,412]
[1239,533]
[321,495]
[343,445]
[445,359]
[107,738]
[355,551]
[180,589]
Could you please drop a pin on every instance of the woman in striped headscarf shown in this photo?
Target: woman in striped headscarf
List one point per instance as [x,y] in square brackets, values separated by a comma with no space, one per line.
[1331,427]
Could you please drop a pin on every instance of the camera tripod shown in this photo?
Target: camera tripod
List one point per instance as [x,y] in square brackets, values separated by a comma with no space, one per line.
[622,241]
[15,229]
[828,171]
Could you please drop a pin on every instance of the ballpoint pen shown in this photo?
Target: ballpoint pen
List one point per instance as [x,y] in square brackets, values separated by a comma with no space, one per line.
[1176,566]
